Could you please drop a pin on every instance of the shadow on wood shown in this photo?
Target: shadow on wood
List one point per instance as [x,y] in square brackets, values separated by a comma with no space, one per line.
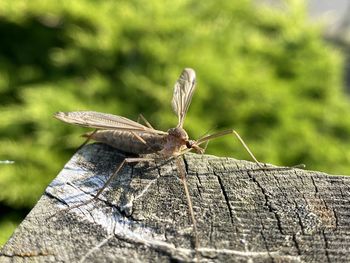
[242,215]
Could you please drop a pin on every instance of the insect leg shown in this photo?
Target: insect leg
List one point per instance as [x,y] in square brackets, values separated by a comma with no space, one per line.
[205,146]
[226,132]
[280,168]
[182,173]
[144,120]
[138,137]
[126,160]
[120,166]
[88,138]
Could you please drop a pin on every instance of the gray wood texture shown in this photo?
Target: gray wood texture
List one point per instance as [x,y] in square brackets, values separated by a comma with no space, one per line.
[243,215]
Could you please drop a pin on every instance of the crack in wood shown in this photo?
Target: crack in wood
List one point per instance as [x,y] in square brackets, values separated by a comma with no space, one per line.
[227,200]
[294,238]
[314,184]
[300,221]
[267,202]
[326,246]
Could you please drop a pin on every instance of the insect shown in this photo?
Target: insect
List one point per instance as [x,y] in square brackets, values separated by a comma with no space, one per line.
[133,137]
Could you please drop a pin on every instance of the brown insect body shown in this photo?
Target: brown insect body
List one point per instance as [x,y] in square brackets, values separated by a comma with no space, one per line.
[128,142]
[164,145]
[177,139]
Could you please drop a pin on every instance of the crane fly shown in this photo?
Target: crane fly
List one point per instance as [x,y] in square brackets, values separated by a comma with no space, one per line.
[133,137]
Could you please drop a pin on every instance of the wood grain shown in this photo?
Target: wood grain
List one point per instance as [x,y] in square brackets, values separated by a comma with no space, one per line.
[243,215]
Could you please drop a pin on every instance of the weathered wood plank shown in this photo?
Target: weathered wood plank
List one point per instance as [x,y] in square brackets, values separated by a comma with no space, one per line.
[242,215]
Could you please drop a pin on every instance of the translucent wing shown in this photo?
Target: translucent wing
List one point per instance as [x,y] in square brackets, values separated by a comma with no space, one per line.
[103,121]
[183,91]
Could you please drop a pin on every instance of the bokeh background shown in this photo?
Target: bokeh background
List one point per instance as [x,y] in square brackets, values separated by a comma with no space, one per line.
[265,70]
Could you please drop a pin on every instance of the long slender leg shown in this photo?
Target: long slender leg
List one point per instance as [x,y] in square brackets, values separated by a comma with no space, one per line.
[144,120]
[126,160]
[205,146]
[138,137]
[88,138]
[226,132]
[280,168]
[120,166]
[182,173]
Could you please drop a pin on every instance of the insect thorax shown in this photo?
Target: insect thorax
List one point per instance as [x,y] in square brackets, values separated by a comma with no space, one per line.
[179,133]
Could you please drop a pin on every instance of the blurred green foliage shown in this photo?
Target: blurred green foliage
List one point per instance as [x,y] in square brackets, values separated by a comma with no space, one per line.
[267,73]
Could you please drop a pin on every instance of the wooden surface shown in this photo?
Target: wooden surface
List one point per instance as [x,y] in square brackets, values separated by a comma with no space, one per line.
[243,215]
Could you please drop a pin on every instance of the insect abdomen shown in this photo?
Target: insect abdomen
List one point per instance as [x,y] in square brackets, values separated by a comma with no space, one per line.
[128,142]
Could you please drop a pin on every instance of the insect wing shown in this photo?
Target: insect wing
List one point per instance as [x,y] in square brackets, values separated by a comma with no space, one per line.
[183,92]
[104,121]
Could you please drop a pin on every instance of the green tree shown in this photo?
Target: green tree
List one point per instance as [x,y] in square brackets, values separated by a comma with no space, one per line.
[267,73]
